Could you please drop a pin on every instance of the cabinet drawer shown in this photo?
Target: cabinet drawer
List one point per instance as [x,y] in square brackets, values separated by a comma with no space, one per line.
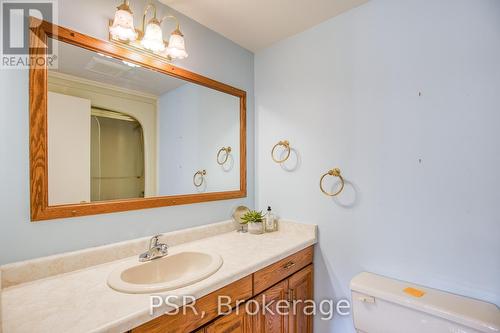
[276,272]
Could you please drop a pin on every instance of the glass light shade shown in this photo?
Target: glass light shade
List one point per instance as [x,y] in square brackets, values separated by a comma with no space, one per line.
[123,24]
[176,47]
[153,37]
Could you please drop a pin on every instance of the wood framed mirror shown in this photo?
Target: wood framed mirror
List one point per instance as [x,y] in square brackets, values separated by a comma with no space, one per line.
[113,129]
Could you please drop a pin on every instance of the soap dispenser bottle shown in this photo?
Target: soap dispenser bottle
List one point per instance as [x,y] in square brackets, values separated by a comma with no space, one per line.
[270,224]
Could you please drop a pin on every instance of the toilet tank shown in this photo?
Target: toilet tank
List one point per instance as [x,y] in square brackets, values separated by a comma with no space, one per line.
[384,305]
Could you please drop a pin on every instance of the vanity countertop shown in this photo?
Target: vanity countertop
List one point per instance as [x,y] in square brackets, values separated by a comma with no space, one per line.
[81,300]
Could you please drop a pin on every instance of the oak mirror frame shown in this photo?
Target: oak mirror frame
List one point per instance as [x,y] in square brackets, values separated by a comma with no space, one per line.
[38,124]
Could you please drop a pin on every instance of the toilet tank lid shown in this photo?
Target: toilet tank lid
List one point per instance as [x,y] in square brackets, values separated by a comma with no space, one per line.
[476,314]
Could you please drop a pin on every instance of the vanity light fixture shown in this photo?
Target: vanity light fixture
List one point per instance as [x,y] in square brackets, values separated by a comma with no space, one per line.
[150,39]
[123,24]
[176,46]
[153,36]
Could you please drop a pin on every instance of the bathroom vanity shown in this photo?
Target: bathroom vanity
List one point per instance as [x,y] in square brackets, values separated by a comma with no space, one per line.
[289,279]
[70,292]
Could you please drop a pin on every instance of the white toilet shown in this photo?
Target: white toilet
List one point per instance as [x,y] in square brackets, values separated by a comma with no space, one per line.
[383,305]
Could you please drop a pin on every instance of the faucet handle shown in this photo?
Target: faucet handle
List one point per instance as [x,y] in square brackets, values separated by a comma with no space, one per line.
[154,241]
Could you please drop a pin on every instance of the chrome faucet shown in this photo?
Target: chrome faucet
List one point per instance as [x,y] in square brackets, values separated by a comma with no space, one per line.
[156,250]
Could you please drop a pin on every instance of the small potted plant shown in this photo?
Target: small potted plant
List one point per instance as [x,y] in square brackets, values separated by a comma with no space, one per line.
[254,220]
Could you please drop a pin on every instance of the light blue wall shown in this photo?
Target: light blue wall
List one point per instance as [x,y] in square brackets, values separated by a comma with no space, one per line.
[178,140]
[194,122]
[346,94]
[209,54]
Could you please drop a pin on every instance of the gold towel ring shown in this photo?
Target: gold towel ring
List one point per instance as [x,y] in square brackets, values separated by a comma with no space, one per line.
[201,173]
[285,144]
[223,149]
[336,173]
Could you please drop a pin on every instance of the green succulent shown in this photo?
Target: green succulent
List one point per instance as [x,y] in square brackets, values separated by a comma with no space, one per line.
[252,217]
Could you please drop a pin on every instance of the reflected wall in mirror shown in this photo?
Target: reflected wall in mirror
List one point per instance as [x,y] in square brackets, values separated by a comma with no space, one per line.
[124,132]
[120,131]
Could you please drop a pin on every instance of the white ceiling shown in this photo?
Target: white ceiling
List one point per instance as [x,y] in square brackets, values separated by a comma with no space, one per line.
[256,24]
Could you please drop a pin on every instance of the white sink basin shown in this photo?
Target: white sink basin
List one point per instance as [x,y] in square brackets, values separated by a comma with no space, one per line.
[171,272]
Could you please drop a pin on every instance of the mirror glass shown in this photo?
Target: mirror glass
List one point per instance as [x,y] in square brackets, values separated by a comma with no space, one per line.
[120,131]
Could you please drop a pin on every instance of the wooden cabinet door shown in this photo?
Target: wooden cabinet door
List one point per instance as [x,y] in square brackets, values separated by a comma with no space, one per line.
[300,287]
[271,321]
[236,322]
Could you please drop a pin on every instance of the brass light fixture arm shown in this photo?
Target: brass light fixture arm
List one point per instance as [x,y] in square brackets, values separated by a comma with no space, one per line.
[125,6]
[148,7]
[153,7]
[177,30]
[171,17]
